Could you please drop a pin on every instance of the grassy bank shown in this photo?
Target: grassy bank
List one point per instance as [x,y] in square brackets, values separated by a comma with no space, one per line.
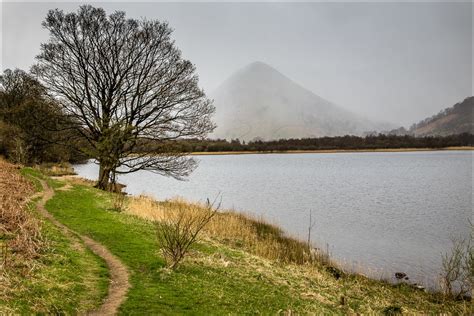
[240,265]
[328,151]
[58,278]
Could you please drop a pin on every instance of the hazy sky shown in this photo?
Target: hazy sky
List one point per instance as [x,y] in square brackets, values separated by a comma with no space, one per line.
[397,62]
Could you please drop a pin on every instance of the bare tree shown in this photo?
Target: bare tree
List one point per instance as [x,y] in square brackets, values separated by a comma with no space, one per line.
[123,81]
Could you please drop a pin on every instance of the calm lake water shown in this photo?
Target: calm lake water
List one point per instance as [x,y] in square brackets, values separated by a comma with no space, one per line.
[380,213]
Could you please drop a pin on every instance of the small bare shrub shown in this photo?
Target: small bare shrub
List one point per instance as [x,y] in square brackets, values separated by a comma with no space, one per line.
[458,269]
[179,230]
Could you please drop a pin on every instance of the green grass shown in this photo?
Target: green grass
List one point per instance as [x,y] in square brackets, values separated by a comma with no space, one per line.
[33,174]
[218,279]
[63,280]
[194,286]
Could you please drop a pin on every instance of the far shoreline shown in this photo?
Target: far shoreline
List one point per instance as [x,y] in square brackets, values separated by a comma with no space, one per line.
[326,151]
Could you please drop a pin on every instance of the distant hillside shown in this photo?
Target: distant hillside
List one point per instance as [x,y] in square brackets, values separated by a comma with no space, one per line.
[258,102]
[454,120]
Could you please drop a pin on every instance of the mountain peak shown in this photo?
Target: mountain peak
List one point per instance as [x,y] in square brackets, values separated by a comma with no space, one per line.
[260,101]
[256,74]
[259,67]
[258,64]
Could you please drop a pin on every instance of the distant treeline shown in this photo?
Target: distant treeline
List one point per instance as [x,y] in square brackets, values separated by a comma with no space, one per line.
[380,141]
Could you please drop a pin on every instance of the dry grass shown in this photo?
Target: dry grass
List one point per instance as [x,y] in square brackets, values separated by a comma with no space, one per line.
[56,169]
[20,233]
[234,229]
[73,180]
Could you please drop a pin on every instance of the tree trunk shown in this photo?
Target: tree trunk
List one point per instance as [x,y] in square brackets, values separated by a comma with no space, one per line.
[104,176]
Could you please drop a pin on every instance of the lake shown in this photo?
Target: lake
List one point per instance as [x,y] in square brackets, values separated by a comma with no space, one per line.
[379,212]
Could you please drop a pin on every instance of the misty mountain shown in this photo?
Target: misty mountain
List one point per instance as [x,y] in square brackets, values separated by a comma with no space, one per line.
[260,102]
[453,120]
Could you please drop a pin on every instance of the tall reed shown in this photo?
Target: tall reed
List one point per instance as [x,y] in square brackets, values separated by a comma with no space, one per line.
[249,233]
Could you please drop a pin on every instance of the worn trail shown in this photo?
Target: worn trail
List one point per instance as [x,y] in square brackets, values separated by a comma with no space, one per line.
[119,276]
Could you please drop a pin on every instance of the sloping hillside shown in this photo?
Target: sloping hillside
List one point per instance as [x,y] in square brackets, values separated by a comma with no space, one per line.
[454,120]
[260,102]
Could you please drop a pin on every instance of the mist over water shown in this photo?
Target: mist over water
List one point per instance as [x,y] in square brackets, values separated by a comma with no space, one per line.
[380,213]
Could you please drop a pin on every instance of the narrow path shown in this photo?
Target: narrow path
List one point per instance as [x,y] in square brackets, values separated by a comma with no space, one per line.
[119,276]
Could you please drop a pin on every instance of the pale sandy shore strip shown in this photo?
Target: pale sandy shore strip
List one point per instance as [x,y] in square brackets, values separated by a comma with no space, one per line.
[326,151]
